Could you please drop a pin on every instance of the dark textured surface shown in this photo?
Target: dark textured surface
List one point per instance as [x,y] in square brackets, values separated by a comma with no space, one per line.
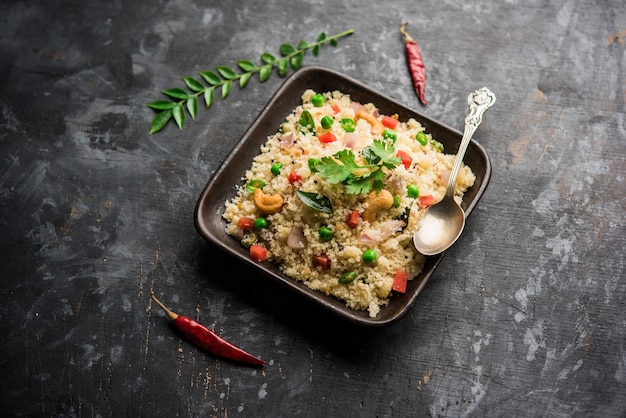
[524,317]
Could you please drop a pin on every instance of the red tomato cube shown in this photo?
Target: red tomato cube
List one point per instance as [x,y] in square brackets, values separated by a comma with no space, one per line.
[400,280]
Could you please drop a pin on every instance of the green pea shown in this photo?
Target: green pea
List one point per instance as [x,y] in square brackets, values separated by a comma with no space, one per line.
[396,202]
[421,138]
[260,223]
[348,124]
[252,185]
[347,277]
[327,121]
[326,234]
[412,191]
[318,100]
[369,256]
[390,134]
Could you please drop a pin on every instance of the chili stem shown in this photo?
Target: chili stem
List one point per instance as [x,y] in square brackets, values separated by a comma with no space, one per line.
[170,314]
[407,37]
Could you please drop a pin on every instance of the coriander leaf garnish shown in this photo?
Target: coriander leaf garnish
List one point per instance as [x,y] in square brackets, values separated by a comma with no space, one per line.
[337,168]
[222,79]
[343,168]
[381,151]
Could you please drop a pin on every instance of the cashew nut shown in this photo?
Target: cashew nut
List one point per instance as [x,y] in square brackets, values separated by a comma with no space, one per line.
[377,126]
[267,204]
[377,202]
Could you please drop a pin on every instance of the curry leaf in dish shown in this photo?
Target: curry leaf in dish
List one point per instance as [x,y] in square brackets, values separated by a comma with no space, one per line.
[315,201]
[306,122]
[224,76]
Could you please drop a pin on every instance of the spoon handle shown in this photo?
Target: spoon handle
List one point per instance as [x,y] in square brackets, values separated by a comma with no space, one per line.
[478,101]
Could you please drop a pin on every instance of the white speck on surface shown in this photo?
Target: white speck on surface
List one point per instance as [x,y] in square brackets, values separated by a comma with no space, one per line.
[212,15]
[562,247]
[115,353]
[550,358]
[478,391]
[11,121]
[67,308]
[566,371]
[138,69]
[546,202]
[481,341]
[577,366]
[263,391]
[43,376]
[534,340]
[126,304]
[90,356]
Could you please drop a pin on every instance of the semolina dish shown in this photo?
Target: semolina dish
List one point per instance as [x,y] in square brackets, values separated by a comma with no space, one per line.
[335,196]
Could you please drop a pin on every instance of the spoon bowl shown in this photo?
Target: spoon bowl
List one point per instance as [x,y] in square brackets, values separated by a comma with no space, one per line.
[442,224]
[440,227]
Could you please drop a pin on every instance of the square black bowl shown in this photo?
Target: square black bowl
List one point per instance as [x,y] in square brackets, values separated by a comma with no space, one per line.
[221,187]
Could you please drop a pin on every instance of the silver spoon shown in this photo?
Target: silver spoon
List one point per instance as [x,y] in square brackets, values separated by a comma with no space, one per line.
[442,224]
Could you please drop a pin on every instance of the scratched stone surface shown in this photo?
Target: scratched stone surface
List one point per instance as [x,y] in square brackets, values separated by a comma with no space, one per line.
[526,315]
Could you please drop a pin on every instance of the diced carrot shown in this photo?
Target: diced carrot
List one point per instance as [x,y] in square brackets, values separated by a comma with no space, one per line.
[327,137]
[406,158]
[321,260]
[246,223]
[353,219]
[389,122]
[258,252]
[293,177]
[399,281]
[426,201]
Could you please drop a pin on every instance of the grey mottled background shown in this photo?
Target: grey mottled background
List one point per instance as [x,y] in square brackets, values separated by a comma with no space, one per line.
[524,317]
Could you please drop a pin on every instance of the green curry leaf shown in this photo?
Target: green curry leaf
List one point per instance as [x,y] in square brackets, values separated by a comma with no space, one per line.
[223,77]
[306,122]
[315,201]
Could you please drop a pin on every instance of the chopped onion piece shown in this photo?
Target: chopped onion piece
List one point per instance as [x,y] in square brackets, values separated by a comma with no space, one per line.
[296,239]
[445,176]
[286,141]
[352,140]
[382,232]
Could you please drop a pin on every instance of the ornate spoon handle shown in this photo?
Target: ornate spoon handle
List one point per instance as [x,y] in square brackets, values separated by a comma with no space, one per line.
[478,101]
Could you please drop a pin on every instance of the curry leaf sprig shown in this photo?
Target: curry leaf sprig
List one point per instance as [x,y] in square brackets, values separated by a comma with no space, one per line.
[342,167]
[205,87]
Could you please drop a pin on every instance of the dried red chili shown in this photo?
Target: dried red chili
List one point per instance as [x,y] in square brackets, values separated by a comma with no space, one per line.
[415,63]
[207,339]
